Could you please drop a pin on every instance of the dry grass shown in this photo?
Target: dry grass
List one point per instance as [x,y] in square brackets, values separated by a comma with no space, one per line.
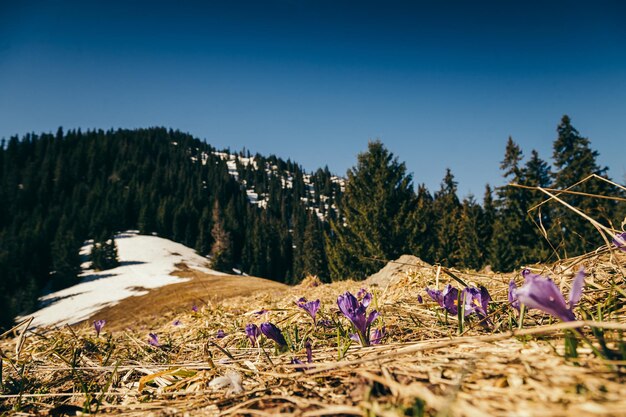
[424,367]
[169,301]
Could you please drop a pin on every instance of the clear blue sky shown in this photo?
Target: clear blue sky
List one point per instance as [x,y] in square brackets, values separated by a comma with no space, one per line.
[441,83]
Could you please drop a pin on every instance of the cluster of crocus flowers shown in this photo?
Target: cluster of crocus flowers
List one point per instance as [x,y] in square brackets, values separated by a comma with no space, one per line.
[474,300]
[542,293]
[98,325]
[311,307]
[356,312]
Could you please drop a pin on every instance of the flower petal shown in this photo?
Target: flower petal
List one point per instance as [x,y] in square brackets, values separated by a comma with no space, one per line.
[620,241]
[543,294]
[577,288]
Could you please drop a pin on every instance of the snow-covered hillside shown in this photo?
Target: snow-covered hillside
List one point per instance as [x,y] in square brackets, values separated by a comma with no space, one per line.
[146,263]
[286,178]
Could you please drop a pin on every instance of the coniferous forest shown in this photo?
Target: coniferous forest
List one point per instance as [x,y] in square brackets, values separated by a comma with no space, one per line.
[267,217]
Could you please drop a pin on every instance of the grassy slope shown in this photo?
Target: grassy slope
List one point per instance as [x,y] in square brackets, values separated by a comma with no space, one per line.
[175,299]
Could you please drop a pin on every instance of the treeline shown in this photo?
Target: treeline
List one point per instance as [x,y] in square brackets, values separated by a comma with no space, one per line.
[58,190]
[383,217]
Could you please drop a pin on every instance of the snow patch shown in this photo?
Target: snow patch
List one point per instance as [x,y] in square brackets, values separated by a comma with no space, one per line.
[146,262]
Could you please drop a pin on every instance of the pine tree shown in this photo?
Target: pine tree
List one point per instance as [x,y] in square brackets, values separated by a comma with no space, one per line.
[536,173]
[486,223]
[506,249]
[104,254]
[574,161]
[423,222]
[65,257]
[372,223]
[314,257]
[221,251]
[470,253]
[447,209]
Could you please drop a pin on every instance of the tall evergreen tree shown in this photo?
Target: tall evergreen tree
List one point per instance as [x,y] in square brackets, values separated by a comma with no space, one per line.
[65,258]
[486,224]
[221,251]
[314,256]
[373,215]
[447,209]
[506,249]
[574,161]
[536,173]
[104,254]
[423,241]
[470,253]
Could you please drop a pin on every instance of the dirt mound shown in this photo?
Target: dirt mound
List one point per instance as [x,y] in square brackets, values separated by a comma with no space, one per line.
[402,267]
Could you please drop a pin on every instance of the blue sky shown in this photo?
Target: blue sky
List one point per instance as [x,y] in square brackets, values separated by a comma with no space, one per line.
[442,84]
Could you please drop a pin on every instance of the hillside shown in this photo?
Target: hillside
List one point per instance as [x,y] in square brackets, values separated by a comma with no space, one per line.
[60,190]
[146,263]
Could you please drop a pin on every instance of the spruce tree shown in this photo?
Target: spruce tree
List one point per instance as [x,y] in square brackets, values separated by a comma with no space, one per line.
[104,254]
[372,222]
[423,221]
[506,249]
[314,257]
[65,258]
[470,253]
[486,224]
[536,173]
[574,161]
[221,251]
[447,209]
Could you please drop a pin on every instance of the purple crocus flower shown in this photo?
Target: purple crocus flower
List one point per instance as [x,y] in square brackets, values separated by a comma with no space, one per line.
[513,300]
[272,332]
[220,334]
[194,308]
[476,300]
[420,299]
[542,293]
[356,312]
[436,295]
[378,335]
[253,332]
[98,325]
[448,298]
[620,241]
[153,339]
[177,322]
[310,307]
[451,299]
